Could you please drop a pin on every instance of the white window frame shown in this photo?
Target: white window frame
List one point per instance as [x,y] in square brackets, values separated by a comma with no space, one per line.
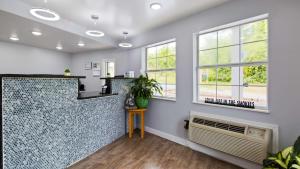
[195,62]
[144,65]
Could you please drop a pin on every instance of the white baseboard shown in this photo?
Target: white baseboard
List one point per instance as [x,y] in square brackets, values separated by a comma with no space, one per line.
[211,152]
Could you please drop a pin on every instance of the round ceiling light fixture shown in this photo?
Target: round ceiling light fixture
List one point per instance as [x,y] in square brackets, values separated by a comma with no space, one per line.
[81,44]
[155,6]
[59,46]
[44,14]
[36,33]
[125,44]
[94,33]
[14,37]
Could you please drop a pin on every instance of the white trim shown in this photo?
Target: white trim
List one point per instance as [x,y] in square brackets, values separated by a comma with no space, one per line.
[211,152]
[273,127]
[232,107]
[161,43]
[143,61]
[240,22]
[165,98]
[195,65]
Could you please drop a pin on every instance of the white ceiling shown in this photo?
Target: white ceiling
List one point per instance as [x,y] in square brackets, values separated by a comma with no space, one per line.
[51,36]
[116,16]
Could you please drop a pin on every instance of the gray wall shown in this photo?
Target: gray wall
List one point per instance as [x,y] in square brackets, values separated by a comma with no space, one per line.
[94,83]
[16,58]
[168,116]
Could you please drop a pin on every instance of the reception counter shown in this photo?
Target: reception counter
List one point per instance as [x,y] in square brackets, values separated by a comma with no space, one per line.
[47,123]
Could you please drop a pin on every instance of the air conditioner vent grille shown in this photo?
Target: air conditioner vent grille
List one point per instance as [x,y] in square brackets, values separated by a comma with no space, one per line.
[219,125]
[198,121]
[237,129]
[209,123]
[222,126]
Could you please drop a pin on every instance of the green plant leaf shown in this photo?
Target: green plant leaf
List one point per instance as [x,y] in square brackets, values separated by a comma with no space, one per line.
[296,151]
[298,159]
[281,163]
[295,166]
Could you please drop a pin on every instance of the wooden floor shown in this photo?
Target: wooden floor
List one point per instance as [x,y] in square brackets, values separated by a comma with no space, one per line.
[151,153]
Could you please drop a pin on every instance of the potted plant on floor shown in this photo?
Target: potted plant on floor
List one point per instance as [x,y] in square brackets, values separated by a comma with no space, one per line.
[288,158]
[143,89]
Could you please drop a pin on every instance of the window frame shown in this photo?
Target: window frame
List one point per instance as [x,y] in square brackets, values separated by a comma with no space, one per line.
[144,66]
[196,65]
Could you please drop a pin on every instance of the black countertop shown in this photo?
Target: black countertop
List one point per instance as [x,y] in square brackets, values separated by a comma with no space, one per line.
[40,76]
[90,95]
[117,78]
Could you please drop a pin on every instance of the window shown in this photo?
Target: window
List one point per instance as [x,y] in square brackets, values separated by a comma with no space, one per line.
[109,68]
[161,66]
[232,63]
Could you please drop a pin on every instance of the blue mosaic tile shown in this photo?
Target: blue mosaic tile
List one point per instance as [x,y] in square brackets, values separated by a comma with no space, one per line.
[46,127]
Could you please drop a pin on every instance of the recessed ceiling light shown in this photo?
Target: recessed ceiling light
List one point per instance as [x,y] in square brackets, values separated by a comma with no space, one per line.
[94,33]
[81,44]
[59,47]
[155,6]
[125,45]
[36,33]
[14,37]
[44,14]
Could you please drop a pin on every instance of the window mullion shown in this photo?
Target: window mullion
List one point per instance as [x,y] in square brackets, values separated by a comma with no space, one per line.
[217,65]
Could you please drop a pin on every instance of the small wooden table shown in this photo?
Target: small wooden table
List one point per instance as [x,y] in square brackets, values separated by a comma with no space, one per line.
[131,113]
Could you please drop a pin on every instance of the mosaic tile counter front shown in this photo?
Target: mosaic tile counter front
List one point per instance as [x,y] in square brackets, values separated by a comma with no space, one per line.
[46,127]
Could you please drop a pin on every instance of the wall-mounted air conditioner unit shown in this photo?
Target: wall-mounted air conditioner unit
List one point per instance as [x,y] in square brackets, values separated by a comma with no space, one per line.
[238,139]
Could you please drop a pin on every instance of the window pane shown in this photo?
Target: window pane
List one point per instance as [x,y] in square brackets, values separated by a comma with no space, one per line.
[228,76]
[163,92]
[206,91]
[208,57]
[161,77]
[207,76]
[228,92]
[208,41]
[151,53]
[151,75]
[111,68]
[258,95]
[162,63]
[254,52]
[171,62]
[254,31]
[227,55]
[228,37]
[162,50]
[172,48]
[171,77]
[151,64]
[254,75]
[170,91]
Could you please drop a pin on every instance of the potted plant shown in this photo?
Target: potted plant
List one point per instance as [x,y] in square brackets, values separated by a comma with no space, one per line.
[288,158]
[143,89]
[67,72]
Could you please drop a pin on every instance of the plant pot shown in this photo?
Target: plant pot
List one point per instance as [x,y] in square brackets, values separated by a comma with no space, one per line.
[141,102]
[67,73]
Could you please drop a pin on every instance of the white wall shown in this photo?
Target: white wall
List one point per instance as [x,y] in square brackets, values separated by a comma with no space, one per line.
[93,83]
[21,59]
[168,116]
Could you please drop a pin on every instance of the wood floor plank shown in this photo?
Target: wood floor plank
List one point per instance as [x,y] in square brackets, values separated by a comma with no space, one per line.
[152,152]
